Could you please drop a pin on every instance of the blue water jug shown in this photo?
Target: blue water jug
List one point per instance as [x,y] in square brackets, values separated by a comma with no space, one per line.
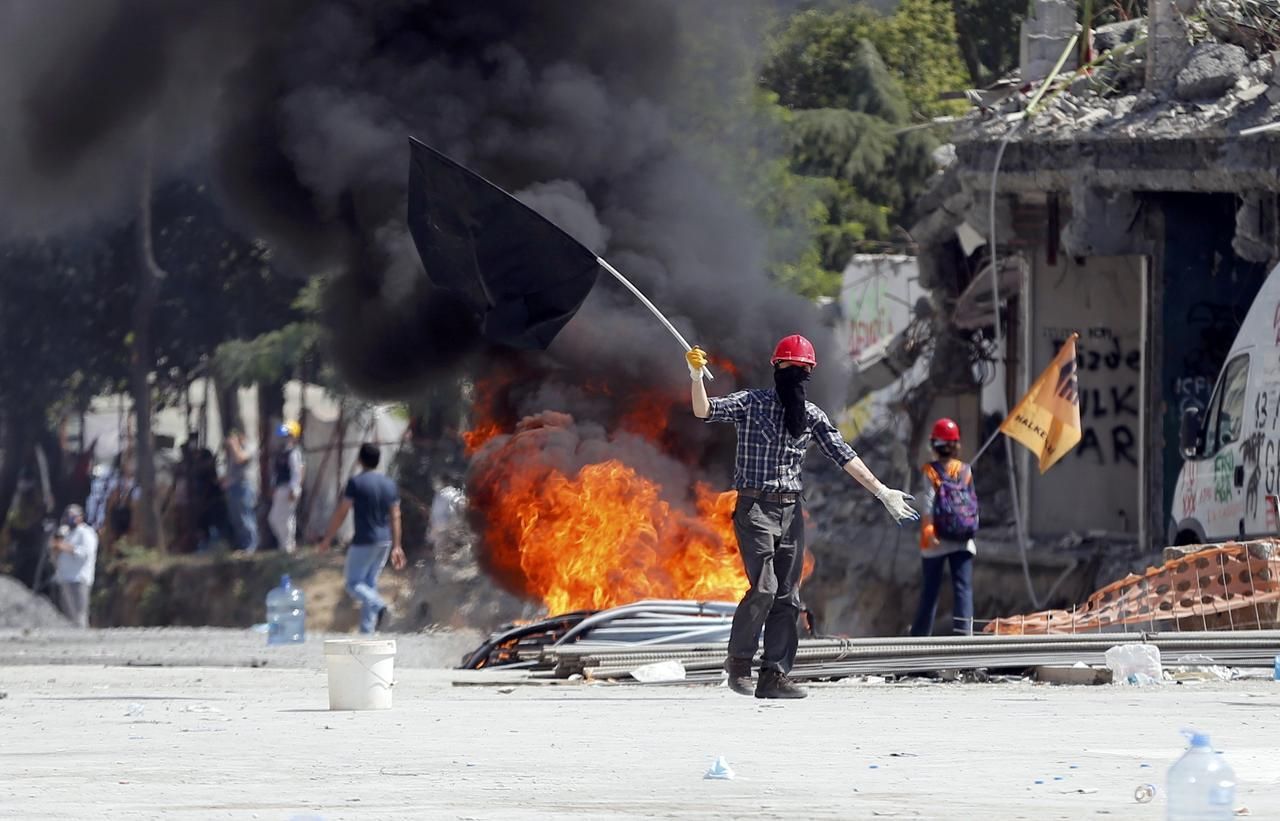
[286,614]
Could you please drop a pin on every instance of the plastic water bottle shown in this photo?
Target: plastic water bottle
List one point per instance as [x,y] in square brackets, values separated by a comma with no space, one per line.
[1201,786]
[286,614]
[1276,673]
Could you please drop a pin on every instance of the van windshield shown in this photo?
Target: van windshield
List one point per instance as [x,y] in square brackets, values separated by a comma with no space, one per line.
[1226,411]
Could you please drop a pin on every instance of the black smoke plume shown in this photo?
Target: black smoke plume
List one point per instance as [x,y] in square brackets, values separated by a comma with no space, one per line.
[300,112]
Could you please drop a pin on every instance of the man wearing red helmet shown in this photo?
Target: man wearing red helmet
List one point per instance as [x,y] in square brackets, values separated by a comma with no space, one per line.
[775,428]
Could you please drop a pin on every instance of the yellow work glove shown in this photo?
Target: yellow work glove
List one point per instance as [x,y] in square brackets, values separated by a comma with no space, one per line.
[697,359]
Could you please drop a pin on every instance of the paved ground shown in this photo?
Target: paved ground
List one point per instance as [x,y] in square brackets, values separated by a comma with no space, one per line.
[210,647]
[226,742]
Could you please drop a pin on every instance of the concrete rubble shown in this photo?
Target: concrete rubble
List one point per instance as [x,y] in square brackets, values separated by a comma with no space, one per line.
[22,609]
[1217,76]
[1211,71]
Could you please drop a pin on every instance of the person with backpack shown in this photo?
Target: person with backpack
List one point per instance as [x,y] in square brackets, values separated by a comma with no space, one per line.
[949,523]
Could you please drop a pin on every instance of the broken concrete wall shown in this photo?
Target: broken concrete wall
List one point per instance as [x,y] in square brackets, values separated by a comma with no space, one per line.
[1168,43]
[878,302]
[1046,32]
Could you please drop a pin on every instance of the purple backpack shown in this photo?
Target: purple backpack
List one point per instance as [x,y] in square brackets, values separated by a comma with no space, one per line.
[955,503]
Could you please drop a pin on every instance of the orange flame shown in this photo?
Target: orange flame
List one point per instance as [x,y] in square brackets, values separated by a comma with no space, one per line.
[604,538]
[602,535]
[599,537]
[476,438]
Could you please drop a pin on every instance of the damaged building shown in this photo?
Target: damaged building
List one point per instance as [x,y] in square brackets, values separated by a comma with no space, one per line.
[1135,203]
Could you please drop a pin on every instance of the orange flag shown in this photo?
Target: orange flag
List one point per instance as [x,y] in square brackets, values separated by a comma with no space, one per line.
[1047,420]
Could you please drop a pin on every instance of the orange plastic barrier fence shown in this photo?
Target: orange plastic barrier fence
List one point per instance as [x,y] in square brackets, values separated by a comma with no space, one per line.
[1240,580]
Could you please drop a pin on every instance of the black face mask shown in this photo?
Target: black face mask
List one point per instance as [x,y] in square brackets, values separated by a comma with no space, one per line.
[789,385]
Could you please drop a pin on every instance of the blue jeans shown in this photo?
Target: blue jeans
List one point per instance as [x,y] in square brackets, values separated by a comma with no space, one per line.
[364,565]
[962,589]
[242,507]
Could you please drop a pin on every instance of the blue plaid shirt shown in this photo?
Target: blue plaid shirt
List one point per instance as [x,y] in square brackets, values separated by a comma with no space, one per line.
[768,457]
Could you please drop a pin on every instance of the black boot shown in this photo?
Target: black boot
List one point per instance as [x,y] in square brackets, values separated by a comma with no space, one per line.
[776,684]
[739,671]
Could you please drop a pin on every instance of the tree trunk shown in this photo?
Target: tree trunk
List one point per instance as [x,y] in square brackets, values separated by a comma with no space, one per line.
[228,398]
[17,447]
[140,361]
[270,406]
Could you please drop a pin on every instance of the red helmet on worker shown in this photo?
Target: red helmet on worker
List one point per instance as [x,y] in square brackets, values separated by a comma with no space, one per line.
[945,430]
[795,348]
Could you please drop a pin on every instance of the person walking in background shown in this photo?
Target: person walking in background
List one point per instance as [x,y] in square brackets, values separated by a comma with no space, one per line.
[75,547]
[242,502]
[122,492]
[947,528]
[209,500]
[286,481]
[376,501]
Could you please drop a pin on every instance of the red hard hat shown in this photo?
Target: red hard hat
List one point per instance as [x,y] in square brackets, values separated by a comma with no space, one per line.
[794,348]
[945,430]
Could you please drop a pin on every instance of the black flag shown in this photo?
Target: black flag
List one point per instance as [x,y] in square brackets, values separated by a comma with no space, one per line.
[522,275]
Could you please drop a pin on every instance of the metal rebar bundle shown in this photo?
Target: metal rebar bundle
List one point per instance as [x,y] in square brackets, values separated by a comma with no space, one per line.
[611,644]
[836,658]
[643,624]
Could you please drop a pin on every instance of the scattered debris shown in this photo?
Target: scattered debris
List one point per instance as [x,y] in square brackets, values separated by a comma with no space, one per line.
[720,771]
[20,608]
[660,671]
[1211,71]
[1078,674]
[1199,667]
[1134,664]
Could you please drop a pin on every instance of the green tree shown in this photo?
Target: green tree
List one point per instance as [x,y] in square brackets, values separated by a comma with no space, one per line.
[816,61]
[987,31]
[60,304]
[847,118]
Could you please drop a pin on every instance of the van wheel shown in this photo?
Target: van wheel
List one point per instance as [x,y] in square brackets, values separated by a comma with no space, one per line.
[1186,537]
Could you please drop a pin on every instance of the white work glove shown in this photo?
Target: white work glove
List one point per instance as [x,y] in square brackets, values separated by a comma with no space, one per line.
[895,501]
[697,359]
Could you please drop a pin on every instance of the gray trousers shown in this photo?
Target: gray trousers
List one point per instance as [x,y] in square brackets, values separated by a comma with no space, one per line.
[771,541]
[75,602]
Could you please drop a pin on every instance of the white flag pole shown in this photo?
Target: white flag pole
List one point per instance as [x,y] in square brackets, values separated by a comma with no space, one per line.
[653,308]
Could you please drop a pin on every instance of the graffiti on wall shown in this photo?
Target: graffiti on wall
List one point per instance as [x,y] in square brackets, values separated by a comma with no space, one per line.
[876,299]
[1209,329]
[1109,369]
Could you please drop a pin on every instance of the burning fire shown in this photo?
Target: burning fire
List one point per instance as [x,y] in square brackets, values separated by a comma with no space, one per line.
[476,438]
[604,538]
[567,518]
[600,536]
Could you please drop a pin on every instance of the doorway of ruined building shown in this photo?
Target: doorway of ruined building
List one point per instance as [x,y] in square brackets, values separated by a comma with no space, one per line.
[1097,488]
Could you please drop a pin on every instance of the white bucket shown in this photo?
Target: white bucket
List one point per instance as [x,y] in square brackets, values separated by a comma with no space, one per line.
[360,673]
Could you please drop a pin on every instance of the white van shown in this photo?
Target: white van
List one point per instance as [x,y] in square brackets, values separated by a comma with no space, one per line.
[1228,485]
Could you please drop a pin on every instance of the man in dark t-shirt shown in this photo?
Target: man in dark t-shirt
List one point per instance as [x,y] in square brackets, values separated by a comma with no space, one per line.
[376,502]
